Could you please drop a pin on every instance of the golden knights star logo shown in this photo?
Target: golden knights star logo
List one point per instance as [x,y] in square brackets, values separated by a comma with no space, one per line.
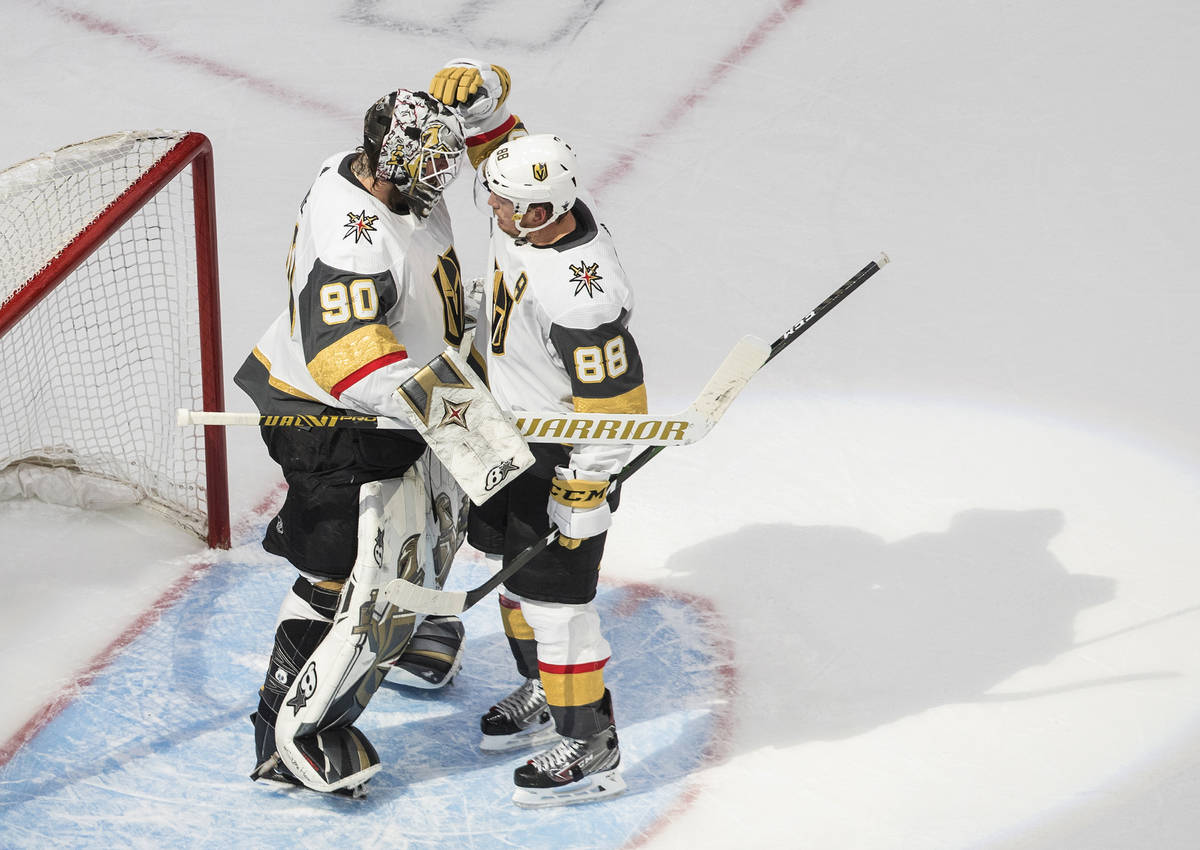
[455,414]
[586,277]
[360,226]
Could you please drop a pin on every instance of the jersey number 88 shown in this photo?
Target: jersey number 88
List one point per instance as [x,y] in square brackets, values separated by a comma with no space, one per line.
[593,364]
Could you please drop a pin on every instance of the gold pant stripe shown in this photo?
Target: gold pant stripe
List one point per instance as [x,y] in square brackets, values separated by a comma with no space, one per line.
[573,688]
[515,625]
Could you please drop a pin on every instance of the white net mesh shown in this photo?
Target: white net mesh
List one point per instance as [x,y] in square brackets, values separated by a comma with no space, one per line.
[94,372]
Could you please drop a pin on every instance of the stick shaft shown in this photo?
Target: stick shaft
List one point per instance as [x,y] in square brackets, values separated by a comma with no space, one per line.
[787,338]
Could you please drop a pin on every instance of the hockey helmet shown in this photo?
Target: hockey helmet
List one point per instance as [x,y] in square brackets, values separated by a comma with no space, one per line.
[528,170]
[416,143]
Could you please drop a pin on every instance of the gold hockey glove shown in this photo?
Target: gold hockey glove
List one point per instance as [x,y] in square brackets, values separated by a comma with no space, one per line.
[477,92]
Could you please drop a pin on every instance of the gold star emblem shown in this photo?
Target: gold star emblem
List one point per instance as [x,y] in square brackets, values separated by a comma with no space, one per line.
[587,277]
[360,226]
[454,414]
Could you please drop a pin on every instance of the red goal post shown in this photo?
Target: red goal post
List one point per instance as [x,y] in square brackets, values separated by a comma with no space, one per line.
[110,322]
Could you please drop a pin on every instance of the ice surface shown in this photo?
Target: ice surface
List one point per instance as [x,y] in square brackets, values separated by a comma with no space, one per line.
[941,551]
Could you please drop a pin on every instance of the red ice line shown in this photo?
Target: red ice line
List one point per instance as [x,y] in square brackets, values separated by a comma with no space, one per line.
[159,50]
[265,508]
[613,174]
[719,71]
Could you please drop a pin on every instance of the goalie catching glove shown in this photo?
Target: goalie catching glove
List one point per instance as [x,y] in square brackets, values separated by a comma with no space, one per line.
[578,505]
[477,92]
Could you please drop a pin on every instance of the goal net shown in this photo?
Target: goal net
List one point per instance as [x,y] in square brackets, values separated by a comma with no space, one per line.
[109,322]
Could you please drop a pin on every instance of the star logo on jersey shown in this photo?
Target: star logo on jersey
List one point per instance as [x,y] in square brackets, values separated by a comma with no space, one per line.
[586,277]
[360,226]
[454,414]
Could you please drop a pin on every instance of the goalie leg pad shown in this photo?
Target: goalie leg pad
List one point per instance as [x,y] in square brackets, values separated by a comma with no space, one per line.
[304,620]
[434,655]
[313,732]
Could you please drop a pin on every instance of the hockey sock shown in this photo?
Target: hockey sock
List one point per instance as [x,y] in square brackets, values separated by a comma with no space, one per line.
[583,721]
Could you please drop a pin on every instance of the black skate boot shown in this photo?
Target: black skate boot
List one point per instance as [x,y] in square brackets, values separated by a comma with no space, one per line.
[521,719]
[577,770]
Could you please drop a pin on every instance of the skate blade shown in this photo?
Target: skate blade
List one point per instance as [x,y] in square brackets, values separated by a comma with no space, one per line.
[590,789]
[508,743]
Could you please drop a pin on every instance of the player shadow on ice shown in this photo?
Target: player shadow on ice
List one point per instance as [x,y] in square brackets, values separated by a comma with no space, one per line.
[843,632]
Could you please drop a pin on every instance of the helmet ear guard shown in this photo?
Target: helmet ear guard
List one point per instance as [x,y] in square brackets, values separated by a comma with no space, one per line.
[416,143]
[529,170]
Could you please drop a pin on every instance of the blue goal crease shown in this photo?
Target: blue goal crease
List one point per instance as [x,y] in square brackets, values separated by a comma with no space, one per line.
[157,748]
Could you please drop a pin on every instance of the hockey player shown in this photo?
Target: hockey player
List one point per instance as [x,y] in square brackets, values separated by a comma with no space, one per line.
[553,325]
[374,293]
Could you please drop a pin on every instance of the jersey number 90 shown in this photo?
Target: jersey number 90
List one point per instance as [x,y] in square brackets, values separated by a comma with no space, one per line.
[341,301]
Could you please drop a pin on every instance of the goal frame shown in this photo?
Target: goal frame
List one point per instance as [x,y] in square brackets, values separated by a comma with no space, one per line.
[194,149]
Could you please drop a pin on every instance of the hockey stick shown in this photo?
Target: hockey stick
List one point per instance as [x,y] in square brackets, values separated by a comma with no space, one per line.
[407,596]
[679,429]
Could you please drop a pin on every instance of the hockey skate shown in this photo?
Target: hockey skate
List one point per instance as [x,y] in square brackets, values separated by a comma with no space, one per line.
[574,771]
[521,719]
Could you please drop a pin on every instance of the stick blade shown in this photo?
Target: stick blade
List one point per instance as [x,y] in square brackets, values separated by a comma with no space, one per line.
[424,600]
[743,360]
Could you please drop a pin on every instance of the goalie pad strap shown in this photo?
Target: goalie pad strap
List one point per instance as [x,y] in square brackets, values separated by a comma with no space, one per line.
[322,596]
[579,494]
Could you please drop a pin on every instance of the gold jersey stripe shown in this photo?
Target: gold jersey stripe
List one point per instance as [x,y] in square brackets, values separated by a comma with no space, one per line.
[350,353]
[282,386]
[573,688]
[633,401]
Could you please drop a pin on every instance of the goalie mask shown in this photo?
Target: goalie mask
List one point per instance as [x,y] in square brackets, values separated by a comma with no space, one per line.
[532,170]
[415,143]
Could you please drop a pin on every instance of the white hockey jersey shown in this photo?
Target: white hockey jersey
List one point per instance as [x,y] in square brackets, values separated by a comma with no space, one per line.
[373,296]
[553,328]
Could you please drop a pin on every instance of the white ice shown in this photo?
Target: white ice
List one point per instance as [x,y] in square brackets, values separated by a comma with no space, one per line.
[950,529]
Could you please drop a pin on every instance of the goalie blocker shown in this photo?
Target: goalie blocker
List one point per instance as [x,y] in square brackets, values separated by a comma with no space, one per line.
[463,426]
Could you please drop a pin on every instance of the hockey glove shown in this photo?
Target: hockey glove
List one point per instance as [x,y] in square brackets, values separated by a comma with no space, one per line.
[578,506]
[475,91]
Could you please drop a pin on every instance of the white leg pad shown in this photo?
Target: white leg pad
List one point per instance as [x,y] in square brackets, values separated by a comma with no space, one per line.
[399,529]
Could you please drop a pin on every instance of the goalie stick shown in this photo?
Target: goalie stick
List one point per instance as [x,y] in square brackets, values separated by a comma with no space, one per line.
[408,596]
[641,429]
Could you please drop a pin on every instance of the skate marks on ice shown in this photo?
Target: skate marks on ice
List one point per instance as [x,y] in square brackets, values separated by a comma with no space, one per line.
[156,751]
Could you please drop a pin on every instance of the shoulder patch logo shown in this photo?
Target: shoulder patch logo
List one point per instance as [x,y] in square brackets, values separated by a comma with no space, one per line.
[586,277]
[360,226]
[540,172]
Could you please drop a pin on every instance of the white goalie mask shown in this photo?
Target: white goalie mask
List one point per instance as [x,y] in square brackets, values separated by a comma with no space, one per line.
[418,145]
[531,170]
